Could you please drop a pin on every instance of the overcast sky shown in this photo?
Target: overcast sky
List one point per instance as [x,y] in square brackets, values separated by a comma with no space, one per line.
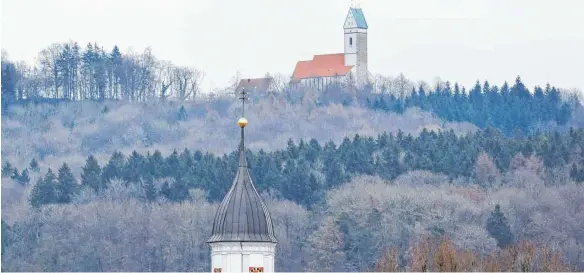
[456,40]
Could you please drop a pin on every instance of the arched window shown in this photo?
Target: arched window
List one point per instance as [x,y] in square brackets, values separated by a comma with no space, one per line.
[351,41]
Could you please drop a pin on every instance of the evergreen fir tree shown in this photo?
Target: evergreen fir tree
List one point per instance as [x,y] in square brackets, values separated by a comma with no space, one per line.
[182,114]
[43,191]
[574,172]
[24,178]
[314,150]
[5,237]
[499,228]
[7,169]
[298,186]
[577,173]
[171,165]
[165,190]
[34,165]
[114,168]
[314,193]
[179,190]
[156,164]
[186,162]
[15,174]
[149,189]
[67,185]
[133,168]
[91,175]
[292,149]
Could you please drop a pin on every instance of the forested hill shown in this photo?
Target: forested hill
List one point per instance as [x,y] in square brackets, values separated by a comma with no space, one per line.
[511,109]
[68,71]
[305,171]
[115,161]
[360,197]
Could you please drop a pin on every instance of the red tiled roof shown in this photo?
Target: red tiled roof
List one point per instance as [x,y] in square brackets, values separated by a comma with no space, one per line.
[328,65]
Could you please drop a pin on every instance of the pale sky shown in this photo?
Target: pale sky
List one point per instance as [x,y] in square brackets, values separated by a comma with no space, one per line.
[456,40]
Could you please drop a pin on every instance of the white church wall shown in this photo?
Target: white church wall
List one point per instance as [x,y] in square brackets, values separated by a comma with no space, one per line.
[240,256]
[321,83]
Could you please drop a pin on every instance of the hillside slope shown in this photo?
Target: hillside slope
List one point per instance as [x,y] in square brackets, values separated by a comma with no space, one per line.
[70,131]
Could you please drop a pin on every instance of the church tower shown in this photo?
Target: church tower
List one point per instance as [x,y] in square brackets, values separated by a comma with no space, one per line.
[243,238]
[355,29]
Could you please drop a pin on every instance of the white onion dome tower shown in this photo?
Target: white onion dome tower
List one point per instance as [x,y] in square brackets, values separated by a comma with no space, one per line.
[243,238]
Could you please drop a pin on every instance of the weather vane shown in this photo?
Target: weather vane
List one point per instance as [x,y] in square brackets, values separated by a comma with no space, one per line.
[243,98]
[242,122]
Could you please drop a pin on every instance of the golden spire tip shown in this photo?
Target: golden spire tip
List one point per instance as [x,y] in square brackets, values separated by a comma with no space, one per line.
[242,122]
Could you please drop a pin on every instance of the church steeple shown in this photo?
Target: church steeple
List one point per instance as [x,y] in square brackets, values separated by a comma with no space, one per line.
[242,122]
[243,216]
[355,31]
[242,235]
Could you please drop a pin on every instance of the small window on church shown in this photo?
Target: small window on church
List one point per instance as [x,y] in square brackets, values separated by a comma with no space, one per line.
[351,41]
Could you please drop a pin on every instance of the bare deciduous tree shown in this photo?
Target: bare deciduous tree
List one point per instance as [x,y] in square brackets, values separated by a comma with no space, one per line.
[187,82]
[146,70]
[22,74]
[234,82]
[402,86]
[165,79]
[49,62]
[382,83]
[280,82]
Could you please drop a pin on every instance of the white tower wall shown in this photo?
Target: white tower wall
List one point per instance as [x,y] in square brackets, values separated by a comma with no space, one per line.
[355,43]
[362,70]
[350,49]
[240,256]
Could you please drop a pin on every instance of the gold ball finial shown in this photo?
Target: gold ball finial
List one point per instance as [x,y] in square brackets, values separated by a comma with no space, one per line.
[242,122]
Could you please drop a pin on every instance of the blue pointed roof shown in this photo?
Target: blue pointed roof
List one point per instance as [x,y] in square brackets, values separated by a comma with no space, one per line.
[359,18]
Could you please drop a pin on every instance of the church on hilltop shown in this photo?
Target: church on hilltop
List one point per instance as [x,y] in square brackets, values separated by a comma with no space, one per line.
[351,65]
[337,68]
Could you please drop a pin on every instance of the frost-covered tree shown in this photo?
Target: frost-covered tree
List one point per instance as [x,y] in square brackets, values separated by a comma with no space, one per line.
[326,248]
[486,172]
